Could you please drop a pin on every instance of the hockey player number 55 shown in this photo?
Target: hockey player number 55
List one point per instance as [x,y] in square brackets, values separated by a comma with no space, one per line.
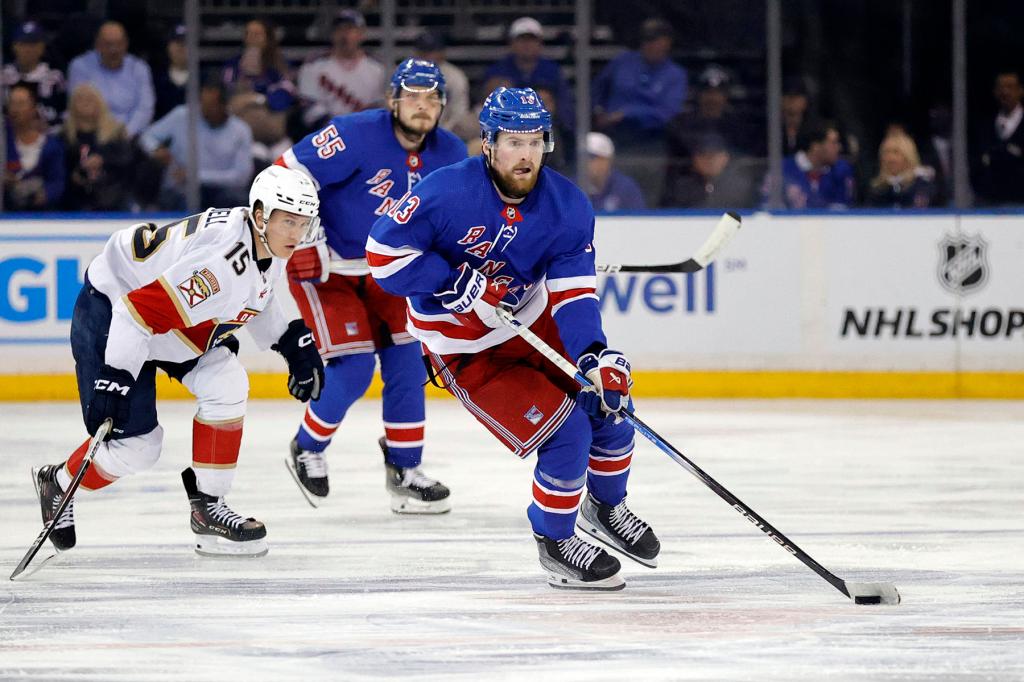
[328,143]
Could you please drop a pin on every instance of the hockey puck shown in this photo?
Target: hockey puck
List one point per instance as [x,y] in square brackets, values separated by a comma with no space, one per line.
[875,599]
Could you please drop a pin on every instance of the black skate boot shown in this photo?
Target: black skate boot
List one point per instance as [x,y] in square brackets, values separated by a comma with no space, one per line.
[50,497]
[620,529]
[219,531]
[309,469]
[411,491]
[574,563]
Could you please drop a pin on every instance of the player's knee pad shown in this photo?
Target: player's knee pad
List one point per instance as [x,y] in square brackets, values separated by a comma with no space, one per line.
[611,437]
[350,373]
[402,367]
[126,456]
[563,456]
[220,385]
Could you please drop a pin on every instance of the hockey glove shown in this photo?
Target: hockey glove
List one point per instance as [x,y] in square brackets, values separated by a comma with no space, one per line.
[310,261]
[474,293]
[305,368]
[609,374]
[110,400]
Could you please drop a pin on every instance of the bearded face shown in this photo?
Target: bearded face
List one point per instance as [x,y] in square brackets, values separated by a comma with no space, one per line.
[515,160]
[416,112]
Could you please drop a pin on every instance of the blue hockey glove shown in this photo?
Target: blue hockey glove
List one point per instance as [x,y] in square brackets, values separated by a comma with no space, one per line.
[609,373]
[473,293]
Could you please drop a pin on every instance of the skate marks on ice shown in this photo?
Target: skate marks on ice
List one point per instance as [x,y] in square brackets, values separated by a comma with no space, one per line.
[919,494]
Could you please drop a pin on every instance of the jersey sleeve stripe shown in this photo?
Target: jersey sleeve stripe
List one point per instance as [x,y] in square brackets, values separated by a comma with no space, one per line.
[156,308]
[569,283]
[385,260]
[558,306]
[289,160]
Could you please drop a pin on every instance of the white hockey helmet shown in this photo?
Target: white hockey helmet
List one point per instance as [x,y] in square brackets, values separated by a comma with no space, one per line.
[277,187]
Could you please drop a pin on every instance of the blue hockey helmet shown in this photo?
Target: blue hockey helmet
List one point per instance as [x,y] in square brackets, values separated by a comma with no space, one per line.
[418,75]
[515,110]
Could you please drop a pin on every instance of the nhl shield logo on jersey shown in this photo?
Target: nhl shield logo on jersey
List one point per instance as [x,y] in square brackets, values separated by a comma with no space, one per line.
[963,265]
[199,287]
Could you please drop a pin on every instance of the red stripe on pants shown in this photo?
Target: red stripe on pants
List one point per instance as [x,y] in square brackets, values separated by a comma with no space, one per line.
[611,467]
[410,435]
[94,479]
[556,501]
[216,445]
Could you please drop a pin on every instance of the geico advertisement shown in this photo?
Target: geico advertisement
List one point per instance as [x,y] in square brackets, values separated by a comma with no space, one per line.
[944,291]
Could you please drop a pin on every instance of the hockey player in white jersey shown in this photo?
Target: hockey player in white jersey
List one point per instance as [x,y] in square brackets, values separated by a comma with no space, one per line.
[172,297]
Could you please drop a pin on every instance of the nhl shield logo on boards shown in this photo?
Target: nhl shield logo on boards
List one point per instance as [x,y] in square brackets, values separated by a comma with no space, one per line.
[963,265]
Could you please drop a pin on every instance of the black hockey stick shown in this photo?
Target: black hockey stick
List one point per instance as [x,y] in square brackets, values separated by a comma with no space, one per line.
[94,446]
[860,593]
[727,226]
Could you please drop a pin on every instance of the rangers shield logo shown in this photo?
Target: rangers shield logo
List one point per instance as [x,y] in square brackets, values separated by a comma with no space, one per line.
[963,266]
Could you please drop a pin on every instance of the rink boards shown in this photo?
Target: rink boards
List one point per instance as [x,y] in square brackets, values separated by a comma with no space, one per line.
[882,305]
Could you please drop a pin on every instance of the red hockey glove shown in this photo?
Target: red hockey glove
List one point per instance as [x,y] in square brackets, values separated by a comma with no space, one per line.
[312,262]
[474,293]
[609,373]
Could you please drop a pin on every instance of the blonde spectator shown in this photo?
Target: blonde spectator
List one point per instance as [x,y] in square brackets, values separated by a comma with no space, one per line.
[98,155]
[902,182]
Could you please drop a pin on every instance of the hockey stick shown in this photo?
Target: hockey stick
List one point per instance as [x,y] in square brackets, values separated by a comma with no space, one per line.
[94,446]
[860,593]
[727,226]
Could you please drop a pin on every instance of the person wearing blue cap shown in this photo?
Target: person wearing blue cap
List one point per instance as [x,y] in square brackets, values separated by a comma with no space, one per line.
[502,229]
[29,46]
[365,165]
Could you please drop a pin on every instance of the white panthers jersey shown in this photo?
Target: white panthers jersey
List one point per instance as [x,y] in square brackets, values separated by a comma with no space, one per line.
[178,289]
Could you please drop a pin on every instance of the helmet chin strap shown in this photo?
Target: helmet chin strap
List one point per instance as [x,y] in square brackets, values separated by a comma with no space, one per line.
[261,233]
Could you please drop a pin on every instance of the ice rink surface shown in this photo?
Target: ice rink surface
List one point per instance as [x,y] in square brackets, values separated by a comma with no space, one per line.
[929,495]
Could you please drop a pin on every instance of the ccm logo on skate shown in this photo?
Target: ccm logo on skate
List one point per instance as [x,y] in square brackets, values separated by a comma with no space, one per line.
[761,526]
[660,294]
[108,386]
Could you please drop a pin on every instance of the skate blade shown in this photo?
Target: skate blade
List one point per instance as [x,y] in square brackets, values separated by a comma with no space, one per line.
[599,535]
[216,547]
[610,584]
[403,504]
[314,500]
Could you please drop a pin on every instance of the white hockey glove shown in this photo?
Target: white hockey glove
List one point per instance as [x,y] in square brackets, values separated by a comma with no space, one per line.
[609,373]
[311,260]
[474,293]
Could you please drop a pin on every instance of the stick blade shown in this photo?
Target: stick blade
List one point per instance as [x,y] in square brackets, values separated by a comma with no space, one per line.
[873,593]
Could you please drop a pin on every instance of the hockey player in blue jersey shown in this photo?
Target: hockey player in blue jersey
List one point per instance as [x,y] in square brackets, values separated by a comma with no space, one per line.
[501,228]
[365,165]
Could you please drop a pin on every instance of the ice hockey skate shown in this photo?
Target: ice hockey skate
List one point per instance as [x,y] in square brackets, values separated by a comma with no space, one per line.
[620,529]
[411,491]
[575,564]
[309,469]
[219,531]
[50,497]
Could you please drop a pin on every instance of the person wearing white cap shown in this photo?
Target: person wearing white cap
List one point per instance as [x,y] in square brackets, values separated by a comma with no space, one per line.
[525,67]
[607,188]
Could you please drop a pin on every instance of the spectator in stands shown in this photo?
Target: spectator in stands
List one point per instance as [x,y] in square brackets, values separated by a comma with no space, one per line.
[525,67]
[98,155]
[713,179]
[29,45]
[608,189]
[815,177]
[456,116]
[640,91]
[34,176]
[269,128]
[999,168]
[713,114]
[937,151]
[171,79]
[902,182]
[224,146]
[261,66]
[794,114]
[346,80]
[124,80]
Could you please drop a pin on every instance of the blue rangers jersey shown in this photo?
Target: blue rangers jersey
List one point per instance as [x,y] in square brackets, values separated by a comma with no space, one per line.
[541,249]
[362,172]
